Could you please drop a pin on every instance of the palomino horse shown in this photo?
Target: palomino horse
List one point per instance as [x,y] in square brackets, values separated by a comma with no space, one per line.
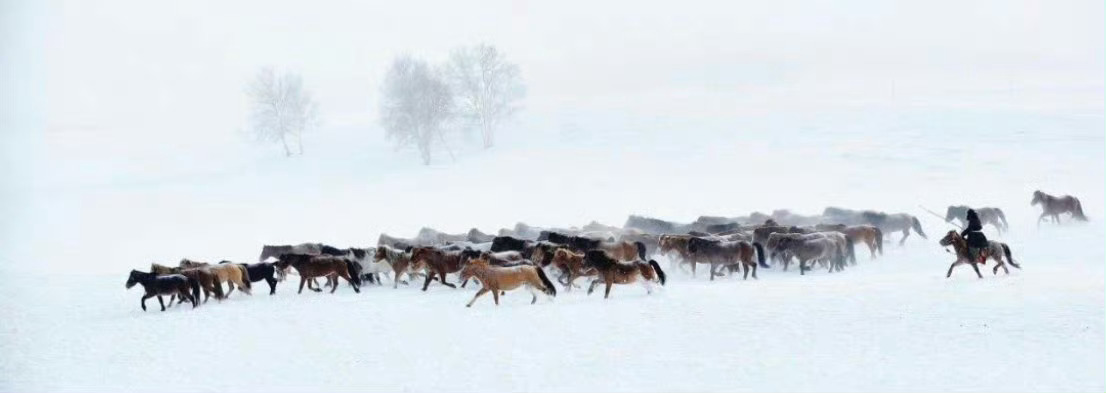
[500,259]
[611,271]
[233,275]
[1054,206]
[170,284]
[311,266]
[725,254]
[866,234]
[995,250]
[987,215]
[497,279]
[206,279]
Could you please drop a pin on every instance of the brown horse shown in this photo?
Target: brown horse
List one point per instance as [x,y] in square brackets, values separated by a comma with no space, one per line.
[232,274]
[611,271]
[867,234]
[667,245]
[206,279]
[311,266]
[571,265]
[1055,206]
[996,251]
[497,279]
[438,262]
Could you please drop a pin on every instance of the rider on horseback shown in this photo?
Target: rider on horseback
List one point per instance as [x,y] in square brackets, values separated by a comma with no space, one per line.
[973,234]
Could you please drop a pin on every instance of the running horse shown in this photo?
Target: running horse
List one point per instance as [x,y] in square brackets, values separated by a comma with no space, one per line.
[997,251]
[1054,206]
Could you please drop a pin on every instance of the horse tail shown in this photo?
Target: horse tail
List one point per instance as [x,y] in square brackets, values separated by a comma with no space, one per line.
[549,289]
[1002,216]
[245,276]
[918,227]
[879,240]
[640,249]
[849,249]
[660,273]
[1078,211]
[1009,257]
[195,284]
[760,254]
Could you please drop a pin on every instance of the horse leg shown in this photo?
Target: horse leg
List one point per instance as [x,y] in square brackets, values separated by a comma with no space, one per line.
[712,266]
[442,273]
[479,293]
[949,274]
[465,282]
[272,285]
[905,234]
[747,268]
[975,266]
[591,288]
[229,285]
[303,280]
[1042,217]
[495,296]
[607,292]
[162,302]
[693,263]
[349,279]
[429,276]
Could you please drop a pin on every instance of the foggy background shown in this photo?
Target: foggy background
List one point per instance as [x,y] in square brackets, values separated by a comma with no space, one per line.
[103,96]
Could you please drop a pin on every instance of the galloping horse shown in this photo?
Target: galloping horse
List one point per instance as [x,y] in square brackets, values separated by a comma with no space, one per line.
[987,215]
[611,271]
[496,279]
[1054,206]
[995,250]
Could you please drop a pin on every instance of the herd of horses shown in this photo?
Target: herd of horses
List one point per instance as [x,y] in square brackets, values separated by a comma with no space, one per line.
[526,256]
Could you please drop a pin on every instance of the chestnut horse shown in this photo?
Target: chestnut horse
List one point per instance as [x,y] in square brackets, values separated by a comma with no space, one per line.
[571,265]
[438,262]
[611,271]
[497,279]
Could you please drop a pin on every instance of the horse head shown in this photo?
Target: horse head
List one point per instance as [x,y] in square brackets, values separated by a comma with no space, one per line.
[135,278]
[949,238]
[1038,197]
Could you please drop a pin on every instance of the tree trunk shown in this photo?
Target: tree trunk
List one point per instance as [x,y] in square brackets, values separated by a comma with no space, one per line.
[284,142]
[486,131]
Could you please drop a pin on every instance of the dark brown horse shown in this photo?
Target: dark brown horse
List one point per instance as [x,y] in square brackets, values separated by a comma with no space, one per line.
[311,266]
[612,271]
[996,251]
[1055,206]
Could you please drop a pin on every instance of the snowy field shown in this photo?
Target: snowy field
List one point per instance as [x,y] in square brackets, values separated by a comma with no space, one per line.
[894,323]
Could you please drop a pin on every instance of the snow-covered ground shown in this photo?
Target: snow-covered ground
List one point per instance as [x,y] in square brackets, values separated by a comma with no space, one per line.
[894,323]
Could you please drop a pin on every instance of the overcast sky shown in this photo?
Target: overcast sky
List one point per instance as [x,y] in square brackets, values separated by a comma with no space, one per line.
[154,71]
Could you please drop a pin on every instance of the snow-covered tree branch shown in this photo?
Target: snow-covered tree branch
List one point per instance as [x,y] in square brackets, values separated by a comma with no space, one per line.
[415,105]
[488,88]
[281,109]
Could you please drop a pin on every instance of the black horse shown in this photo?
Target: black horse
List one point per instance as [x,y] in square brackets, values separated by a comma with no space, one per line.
[263,271]
[169,284]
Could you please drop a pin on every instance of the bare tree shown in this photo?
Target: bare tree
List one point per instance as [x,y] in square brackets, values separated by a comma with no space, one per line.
[282,108]
[415,105]
[488,87]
